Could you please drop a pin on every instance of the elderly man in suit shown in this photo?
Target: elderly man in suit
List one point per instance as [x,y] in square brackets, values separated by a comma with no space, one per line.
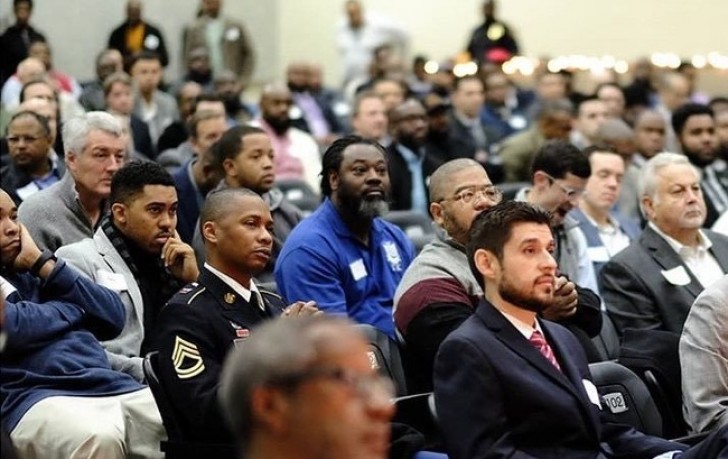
[652,283]
[510,384]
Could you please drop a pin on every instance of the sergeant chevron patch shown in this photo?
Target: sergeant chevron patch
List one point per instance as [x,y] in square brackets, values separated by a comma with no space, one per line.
[187,359]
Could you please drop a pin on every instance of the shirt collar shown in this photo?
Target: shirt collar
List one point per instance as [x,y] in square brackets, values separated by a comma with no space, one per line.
[704,243]
[237,286]
[523,328]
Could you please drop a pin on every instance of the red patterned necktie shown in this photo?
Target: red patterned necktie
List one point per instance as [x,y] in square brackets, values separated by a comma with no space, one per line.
[538,340]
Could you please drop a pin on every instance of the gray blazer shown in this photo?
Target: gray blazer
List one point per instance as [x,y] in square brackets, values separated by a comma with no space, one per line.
[704,360]
[637,293]
[98,259]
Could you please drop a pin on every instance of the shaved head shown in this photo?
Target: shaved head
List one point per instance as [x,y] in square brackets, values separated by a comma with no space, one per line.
[223,202]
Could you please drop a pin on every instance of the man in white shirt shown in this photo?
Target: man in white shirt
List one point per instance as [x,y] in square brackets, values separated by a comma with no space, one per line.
[652,283]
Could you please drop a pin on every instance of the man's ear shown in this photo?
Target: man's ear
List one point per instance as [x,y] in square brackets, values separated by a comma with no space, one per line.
[486,263]
[540,180]
[271,408]
[437,213]
[334,180]
[647,207]
[209,232]
[118,212]
[229,167]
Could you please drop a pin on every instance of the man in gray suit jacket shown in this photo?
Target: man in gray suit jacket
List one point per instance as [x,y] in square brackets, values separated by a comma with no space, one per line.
[137,253]
[652,283]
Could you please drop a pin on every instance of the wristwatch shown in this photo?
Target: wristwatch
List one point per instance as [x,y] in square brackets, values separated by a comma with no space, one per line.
[45,255]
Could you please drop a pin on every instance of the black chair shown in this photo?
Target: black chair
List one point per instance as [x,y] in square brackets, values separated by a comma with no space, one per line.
[654,356]
[418,227]
[625,397]
[300,194]
[384,356]
[175,447]
[607,341]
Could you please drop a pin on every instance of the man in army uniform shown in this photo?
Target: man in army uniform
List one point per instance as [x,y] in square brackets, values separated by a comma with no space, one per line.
[205,319]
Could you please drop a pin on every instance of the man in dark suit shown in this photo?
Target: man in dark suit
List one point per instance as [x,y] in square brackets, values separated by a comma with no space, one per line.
[509,384]
[409,164]
[652,283]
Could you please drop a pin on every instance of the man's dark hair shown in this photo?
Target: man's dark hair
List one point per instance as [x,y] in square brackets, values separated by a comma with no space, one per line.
[45,126]
[131,179]
[716,101]
[492,229]
[219,203]
[206,97]
[116,77]
[18,2]
[231,143]
[145,55]
[34,82]
[199,117]
[331,161]
[681,115]
[558,158]
[598,148]
[459,80]
[608,84]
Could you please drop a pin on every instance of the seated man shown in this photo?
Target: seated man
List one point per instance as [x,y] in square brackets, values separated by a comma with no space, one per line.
[438,291]
[137,253]
[510,384]
[31,168]
[70,210]
[245,157]
[652,283]
[337,405]
[200,324]
[559,174]
[704,360]
[60,397]
[343,256]
[607,232]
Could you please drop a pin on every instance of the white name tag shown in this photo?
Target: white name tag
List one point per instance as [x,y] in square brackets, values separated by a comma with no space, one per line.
[591,392]
[676,276]
[358,270]
[598,254]
[113,281]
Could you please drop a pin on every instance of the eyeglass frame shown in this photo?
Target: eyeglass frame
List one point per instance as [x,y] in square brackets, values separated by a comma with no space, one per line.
[498,197]
[569,192]
[364,386]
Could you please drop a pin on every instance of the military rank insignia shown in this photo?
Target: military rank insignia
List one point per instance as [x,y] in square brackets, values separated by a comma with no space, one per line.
[229,298]
[187,359]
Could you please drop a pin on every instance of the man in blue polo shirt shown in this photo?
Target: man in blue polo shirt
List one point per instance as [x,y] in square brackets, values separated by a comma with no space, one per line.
[343,256]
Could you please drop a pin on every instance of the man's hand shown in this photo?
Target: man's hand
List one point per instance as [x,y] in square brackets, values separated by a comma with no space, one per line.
[300,308]
[179,258]
[29,251]
[565,300]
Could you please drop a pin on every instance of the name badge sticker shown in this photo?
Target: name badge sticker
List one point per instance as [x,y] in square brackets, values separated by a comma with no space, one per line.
[358,270]
[676,276]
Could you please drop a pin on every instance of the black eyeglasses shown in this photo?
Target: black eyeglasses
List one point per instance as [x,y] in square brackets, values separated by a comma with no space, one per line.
[489,192]
[365,386]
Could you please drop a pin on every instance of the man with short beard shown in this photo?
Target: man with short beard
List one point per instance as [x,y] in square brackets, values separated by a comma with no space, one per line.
[296,152]
[694,127]
[343,256]
[507,382]
[137,252]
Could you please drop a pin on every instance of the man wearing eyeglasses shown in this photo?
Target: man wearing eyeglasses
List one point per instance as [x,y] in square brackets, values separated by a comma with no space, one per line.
[304,388]
[438,292]
[559,174]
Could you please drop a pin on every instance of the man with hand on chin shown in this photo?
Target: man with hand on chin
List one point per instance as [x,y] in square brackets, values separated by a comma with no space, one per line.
[204,320]
[137,253]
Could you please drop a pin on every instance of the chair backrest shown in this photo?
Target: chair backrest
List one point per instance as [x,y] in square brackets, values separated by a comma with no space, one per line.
[300,194]
[414,224]
[625,397]
[655,357]
[384,356]
[511,189]
[607,341]
[150,366]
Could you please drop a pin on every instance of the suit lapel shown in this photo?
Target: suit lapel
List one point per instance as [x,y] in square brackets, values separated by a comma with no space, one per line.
[117,265]
[666,257]
[513,339]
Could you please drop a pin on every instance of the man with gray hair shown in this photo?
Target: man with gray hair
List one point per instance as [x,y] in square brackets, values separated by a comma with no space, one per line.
[69,210]
[305,387]
[653,282]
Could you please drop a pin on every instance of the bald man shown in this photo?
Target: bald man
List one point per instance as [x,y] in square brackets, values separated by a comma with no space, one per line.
[30,68]
[200,324]
[297,154]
